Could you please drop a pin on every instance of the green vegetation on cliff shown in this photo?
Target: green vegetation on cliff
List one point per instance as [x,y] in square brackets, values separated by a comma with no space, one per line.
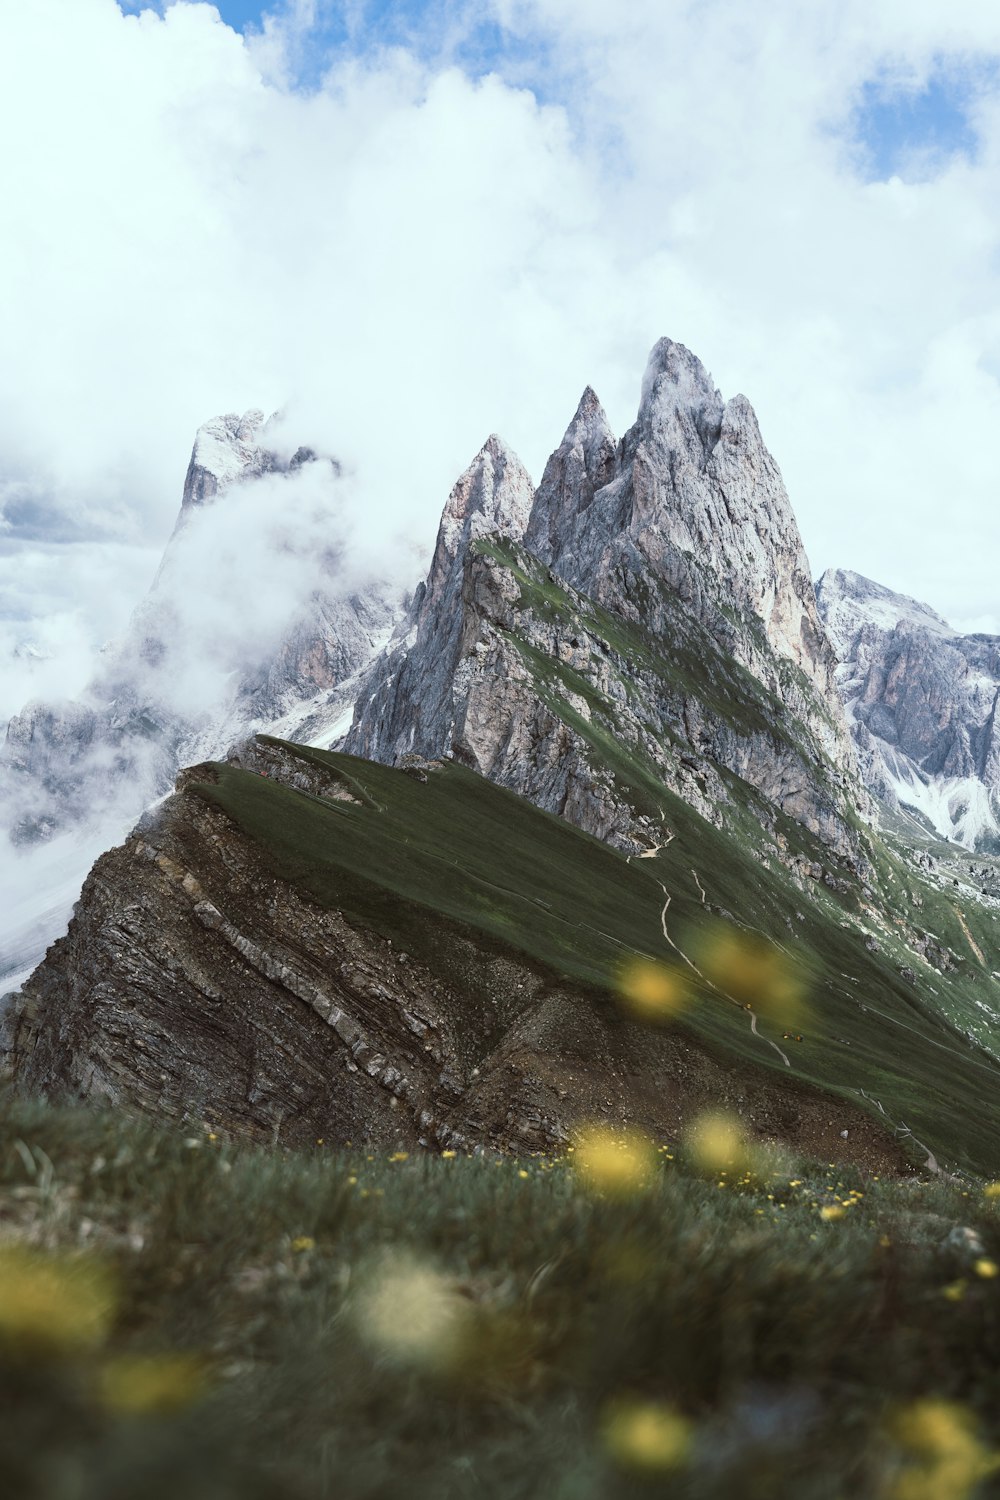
[449,842]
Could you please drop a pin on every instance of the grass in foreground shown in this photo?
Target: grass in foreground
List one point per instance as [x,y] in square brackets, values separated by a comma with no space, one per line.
[180,1315]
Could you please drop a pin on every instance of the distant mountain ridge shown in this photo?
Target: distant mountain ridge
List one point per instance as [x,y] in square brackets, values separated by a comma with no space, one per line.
[922,703]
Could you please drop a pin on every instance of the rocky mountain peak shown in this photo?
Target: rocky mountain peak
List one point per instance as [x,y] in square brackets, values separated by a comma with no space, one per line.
[922,703]
[584,463]
[492,496]
[680,405]
[226,449]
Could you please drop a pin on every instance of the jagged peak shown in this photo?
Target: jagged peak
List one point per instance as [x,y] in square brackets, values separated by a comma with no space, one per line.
[676,379]
[494,479]
[229,429]
[493,494]
[225,448]
[589,420]
[497,448]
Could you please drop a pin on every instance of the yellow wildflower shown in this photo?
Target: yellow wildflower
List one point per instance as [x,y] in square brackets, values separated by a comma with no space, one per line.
[619,1162]
[653,992]
[53,1303]
[944,1457]
[986,1268]
[303,1242]
[716,1141]
[646,1435]
[146,1384]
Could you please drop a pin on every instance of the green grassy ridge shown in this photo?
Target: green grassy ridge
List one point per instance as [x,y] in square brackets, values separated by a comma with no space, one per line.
[950,1003]
[787,1342]
[692,661]
[483,858]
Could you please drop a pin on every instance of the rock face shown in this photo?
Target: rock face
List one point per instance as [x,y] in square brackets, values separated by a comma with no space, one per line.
[922,702]
[193,983]
[691,490]
[62,763]
[227,450]
[682,534]
[411,701]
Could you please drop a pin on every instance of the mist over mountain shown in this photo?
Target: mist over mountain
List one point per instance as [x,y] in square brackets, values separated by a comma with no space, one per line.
[266,601]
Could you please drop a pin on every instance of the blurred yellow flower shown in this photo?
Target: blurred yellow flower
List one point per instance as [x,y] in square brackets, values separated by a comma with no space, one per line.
[53,1303]
[303,1242]
[944,1458]
[618,1162]
[142,1385]
[955,1291]
[986,1268]
[752,970]
[648,1435]
[448,1155]
[398,1156]
[992,1190]
[716,1141]
[653,992]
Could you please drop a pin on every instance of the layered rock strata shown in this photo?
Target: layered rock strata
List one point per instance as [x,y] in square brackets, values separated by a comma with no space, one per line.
[195,985]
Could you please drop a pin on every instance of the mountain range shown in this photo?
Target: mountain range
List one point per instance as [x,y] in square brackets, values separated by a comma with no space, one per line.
[616,732]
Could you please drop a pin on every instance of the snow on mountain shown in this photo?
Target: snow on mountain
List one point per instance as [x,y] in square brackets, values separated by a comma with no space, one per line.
[922,703]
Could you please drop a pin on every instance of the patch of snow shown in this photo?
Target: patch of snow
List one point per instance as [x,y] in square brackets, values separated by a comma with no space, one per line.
[959,808]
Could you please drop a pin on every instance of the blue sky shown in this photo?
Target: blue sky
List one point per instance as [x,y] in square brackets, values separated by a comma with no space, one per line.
[909,131]
[897,128]
[426,27]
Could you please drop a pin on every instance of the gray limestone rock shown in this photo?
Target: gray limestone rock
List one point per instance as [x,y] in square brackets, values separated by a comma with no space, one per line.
[684,530]
[922,703]
[411,701]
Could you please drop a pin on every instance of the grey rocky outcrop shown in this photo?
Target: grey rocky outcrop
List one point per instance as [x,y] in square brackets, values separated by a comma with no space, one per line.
[684,530]
[412,700]
[922,702]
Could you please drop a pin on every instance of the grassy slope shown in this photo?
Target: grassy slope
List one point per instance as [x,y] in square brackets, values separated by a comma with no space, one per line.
[790,1343]
[460,846]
